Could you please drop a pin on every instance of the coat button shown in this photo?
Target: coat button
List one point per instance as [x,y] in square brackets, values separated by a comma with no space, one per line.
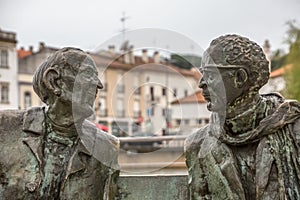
[31,186]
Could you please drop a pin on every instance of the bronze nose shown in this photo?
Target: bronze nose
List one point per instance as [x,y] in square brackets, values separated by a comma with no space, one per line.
[99,85]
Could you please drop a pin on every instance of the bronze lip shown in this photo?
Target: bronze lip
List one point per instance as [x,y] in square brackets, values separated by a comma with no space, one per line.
[206,97]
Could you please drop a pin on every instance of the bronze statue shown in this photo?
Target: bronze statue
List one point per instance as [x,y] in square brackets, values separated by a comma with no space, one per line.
[250,148]
[53,152]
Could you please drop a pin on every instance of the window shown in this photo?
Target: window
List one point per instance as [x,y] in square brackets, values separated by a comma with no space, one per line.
[27,99]
[186,121]
[166,112]
[102,107]
[121,89]
[120,108]
[152,93]
[136,87]
[178,121]
[152,110]
[199,121]
[185,93]
[4,92]
[175,92]
[120,86]
[4,58]
[136,109]
[206,121]
[164,91]
[149,112]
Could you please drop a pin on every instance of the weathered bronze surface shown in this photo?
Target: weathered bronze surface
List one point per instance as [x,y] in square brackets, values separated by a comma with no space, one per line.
[250,148]
[53,152]
[169,187]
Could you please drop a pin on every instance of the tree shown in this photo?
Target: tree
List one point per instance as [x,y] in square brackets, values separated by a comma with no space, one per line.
[186,61]
[293,57]
[277,59]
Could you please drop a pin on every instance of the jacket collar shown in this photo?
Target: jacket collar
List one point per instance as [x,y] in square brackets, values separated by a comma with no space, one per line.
[33,122]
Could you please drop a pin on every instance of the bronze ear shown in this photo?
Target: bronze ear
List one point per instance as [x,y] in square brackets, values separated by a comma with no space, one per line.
[50,78]
[241,77]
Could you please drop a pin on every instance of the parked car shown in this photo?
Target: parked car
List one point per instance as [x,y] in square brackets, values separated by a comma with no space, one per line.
[141,146]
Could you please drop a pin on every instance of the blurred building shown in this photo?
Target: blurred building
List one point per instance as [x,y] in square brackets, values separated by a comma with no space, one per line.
[189,113]
[8,70]
[136,88]
[138,91]
[276,81]
[29,61]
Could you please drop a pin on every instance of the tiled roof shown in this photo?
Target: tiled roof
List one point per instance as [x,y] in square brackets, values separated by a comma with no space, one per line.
[281,71]
[117,63]
[194,98]
[23,53]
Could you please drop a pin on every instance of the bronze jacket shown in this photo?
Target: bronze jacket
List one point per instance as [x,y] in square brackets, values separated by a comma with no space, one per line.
[212,161]
[92,169]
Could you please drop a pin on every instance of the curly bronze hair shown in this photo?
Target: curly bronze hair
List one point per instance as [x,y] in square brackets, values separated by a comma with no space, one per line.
[237,50]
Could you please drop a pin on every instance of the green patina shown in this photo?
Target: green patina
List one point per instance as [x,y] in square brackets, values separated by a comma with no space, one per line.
[250,149]
[41,153]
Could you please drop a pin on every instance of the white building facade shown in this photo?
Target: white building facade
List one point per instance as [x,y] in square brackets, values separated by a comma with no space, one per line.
[189,113]
[8,71]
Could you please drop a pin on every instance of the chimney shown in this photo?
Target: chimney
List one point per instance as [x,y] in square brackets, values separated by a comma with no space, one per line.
[131,55]
[156,57]
[111,49]
[41,46]
[22,48]
[31,48]
[145,57]
[126,57]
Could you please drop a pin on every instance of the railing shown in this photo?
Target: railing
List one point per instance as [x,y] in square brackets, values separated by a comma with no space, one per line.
[152,155]
[164,141]
[152,138]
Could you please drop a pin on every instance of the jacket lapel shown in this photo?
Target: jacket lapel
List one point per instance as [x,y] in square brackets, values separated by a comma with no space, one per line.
[75,164]
[33,122]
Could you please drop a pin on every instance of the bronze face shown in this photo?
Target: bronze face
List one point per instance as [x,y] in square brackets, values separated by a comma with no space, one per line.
[85,89]
[220,84]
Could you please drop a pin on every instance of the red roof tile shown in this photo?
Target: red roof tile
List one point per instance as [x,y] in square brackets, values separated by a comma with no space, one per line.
[23,53]
[281,71]
[194,98]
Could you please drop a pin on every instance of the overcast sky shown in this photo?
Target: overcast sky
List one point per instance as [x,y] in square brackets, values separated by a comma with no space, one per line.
[90,23]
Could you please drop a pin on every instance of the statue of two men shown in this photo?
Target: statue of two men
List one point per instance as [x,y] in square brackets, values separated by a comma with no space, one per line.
[250,148]
[53,152]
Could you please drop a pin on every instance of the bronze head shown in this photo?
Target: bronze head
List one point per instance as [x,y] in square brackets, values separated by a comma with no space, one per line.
[68,81]
[232,67]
